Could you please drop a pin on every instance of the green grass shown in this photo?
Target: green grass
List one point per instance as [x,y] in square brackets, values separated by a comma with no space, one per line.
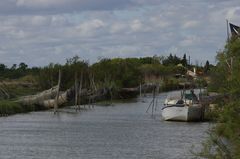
[8,107]
[17,91]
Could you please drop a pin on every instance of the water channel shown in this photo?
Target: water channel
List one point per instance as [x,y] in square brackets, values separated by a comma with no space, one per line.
[122,131]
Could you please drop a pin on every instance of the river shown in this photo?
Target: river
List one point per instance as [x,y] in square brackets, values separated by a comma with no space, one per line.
[122,131]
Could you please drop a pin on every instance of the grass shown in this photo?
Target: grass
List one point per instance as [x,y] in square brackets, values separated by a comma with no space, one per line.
[8,107]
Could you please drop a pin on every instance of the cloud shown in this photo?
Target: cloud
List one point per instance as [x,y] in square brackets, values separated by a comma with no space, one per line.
[89,28]
[16,7]
[136,25]
[42,31]
[40,21]
[190,24]
[118,27]
[43,3]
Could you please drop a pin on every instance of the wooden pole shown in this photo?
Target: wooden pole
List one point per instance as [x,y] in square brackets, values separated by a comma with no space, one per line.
[154,94]
[140,90]
[228,37]
[57,96]
[80,91]
[149,106]
[157,92]
[152,103]
[76,91]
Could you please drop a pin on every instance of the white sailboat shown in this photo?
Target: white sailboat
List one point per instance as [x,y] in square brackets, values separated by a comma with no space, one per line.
[182,108]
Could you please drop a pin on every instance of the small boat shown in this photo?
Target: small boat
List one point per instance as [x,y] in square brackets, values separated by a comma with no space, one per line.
[182,108]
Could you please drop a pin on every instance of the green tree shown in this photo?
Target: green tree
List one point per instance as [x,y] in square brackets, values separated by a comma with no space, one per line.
[184,60]
[22,66]
[2,67]
[14,67]
[206,67]
[224,141]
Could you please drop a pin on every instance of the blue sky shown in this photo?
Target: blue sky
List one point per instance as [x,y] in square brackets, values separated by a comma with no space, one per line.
[38,32]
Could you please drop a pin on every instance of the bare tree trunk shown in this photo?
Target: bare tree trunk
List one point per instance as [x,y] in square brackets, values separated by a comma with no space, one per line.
[39,98]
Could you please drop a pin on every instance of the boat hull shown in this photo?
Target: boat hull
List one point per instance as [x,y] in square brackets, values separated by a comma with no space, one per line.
[182,113]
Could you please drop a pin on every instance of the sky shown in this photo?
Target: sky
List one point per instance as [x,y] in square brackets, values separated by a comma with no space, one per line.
[39,32]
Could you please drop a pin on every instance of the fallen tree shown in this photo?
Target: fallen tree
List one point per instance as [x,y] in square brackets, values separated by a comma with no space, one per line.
[48,99]
[38,98]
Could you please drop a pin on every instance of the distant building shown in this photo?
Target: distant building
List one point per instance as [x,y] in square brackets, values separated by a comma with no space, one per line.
[192,73]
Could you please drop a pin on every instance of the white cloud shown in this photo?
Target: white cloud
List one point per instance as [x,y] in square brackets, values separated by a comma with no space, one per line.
[117,27]
[233,13]
[44,29]
[190,24]
[89,28]
[136,25]
[41,3]
[159,21]
[40,20]
[190,40]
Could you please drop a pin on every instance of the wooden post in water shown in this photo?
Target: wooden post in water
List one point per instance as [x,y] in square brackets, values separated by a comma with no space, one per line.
[93,89]
[80,91]
[157,92]
[76,91]
[152,103]
[154,96]
[58,89]
[140,90]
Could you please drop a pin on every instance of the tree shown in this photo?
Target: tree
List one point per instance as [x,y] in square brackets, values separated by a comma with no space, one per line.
[171,60]
[225,79]
[2,67]
[184,60]
[14,66]
[22,66]
[206,67]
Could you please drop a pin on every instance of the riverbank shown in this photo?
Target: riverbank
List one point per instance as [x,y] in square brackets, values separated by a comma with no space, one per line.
[104,96]
[11,107]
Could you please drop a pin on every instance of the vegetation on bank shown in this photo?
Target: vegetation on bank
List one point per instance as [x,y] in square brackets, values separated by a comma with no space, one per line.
[116,73]
[224,138]
[9,107]
[121,72]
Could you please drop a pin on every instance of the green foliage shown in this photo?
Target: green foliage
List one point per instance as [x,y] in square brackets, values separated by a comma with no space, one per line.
[155,69]
[170,84]
[214,148]
[16,72]
[229,126]
[11,107]
[224,139]
[173,60]
[128,72]
[206,67]
[48,76]
[124,72]
[184,61]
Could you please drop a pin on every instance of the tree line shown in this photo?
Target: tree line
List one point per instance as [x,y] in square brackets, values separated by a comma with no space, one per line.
[118,72]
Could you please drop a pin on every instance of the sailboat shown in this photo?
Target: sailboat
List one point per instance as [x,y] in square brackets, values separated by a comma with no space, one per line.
[184,107]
